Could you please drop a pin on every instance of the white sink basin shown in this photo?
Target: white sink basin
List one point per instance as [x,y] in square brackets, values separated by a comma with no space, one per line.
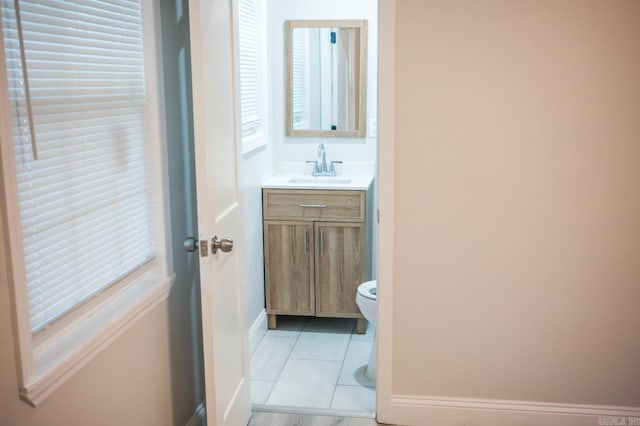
[343,182]
[321,179]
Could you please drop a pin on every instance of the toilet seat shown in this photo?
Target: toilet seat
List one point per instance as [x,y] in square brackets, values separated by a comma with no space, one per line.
[369,289]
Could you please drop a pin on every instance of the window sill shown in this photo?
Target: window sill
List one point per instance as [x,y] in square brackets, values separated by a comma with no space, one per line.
[253,143]
[60,356]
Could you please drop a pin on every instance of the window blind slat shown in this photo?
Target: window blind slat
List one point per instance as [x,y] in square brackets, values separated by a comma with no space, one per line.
[105,163]
[70,68]
[88,83]
[58,270]
[76,16]
[62,213]
[99,269]
[74,248]
[56,253]
[107,119]
[53,308]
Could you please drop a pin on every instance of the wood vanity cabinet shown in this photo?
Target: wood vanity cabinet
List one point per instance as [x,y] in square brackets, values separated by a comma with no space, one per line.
[316,245]
[289,268]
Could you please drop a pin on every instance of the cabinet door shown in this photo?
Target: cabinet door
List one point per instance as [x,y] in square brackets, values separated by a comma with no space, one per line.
[289,267]
[340,260]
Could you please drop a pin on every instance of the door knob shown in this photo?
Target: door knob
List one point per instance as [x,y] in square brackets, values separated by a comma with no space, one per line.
[191,244]
[225,244]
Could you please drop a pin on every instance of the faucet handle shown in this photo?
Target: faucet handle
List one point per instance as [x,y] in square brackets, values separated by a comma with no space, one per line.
[316,167]
[332,168]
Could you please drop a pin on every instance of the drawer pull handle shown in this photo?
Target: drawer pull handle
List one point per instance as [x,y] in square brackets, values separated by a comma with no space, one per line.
[314,206]
[321,242]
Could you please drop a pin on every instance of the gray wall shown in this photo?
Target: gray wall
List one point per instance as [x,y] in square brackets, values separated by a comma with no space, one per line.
[185,334]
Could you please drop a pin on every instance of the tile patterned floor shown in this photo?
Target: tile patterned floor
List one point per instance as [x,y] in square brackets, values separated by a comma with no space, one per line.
[283,419]
[315,363]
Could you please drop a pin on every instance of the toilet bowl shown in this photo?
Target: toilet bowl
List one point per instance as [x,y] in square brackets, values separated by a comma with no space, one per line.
[367,301]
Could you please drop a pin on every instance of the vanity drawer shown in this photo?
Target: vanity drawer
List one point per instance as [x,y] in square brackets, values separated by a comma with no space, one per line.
[314,205]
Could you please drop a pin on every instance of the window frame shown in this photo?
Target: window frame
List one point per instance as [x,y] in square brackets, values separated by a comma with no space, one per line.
[259,138]
[45,360]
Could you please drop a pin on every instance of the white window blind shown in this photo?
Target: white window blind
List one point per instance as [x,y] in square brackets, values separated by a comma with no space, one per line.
[84,203]
[249,50]
[299,47]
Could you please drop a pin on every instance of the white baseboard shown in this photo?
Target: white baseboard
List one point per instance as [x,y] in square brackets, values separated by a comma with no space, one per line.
[423,410]
[257,330]
[198,417]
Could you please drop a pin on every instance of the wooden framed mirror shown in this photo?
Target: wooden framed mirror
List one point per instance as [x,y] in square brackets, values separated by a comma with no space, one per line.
[326,78]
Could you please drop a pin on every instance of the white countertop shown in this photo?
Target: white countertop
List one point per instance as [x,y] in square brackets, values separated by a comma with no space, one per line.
[342,182]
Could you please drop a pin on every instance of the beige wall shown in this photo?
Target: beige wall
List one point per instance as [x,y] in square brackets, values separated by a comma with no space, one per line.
[517,206]
[126,384]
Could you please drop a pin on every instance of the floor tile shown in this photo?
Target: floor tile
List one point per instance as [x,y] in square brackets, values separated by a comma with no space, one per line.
[321,346]
[354,398]
[270,357]
[254,341]
[355,363]
[288,326]
[260,390]
[306,383]
[371,329]
[282,419]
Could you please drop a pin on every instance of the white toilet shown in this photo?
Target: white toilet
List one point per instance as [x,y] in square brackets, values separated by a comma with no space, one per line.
[367,301]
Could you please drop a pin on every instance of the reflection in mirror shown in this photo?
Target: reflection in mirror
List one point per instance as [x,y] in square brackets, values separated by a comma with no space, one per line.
[326,63]
[324,69]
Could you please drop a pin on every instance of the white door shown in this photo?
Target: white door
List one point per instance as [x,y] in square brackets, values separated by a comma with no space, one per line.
[225,343]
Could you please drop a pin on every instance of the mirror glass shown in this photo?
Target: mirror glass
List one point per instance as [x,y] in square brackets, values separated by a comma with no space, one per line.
[326,64]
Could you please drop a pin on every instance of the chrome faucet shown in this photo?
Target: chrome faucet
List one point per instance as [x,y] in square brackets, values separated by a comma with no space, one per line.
[320,167]
[322,158]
